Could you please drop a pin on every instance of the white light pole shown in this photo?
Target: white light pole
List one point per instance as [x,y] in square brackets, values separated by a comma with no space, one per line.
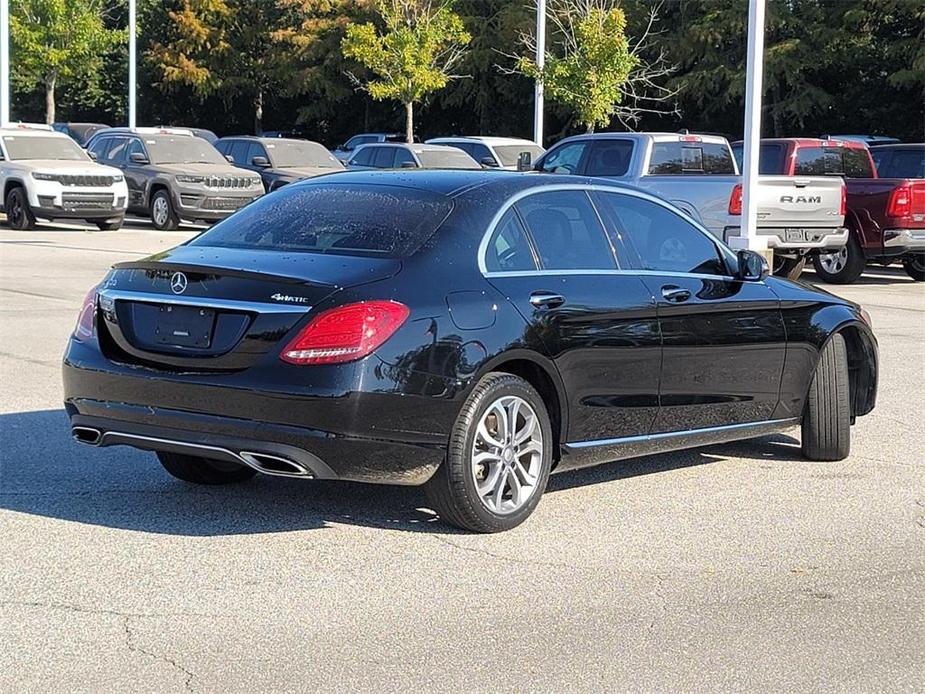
[131,63]
[5,62]
[540,61]
[748,237]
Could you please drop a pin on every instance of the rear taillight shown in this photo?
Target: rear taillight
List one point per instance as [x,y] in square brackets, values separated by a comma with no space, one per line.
[735,200]
[843,209]
[900,204]
[86,321]
[345,333]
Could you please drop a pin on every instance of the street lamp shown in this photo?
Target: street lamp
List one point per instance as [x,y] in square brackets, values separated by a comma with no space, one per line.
[131,63]
[540,61]
[4,62]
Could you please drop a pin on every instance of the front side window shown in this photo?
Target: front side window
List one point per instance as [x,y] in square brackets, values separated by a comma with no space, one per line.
[100,145]
[660,239]
[255,149]
[115,150]
[565,159]
[609,158]
[403,158]
[135,148]
[905,163]
[362,157]
[508,249]
[566,231]
[384,157]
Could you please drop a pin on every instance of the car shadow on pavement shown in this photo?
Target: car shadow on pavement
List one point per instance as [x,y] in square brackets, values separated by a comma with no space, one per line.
[44,472]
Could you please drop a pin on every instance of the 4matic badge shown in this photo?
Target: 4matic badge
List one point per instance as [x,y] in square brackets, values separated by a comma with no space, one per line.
[289,299]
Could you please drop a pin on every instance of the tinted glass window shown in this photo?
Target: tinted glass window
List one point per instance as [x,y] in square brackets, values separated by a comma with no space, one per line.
[239,152]
[224,146]
[564,159]
[771,159]
[134,147]
[566,231]
[115,150]
[99,147]
[480,152]
[363,156]
[403,156]
[254,149]
[609,158]
[856,163]
[690,158]
[508,248]
[662,240]
[331,218]
[384,157]
[818,161]
[905,163]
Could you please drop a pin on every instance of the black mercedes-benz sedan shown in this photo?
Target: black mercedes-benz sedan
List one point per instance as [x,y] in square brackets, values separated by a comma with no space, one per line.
[468,331]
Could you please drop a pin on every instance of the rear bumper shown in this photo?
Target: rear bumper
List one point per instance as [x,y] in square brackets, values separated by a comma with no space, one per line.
[798,238]
[350,428]
[897,241]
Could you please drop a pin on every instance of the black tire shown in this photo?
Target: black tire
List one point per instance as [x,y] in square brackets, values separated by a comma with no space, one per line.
[191,468]
[109,224]
[791,268]
[914,265]
[847,269]
[18,213]
[163,218]
[827,413]
[452,491]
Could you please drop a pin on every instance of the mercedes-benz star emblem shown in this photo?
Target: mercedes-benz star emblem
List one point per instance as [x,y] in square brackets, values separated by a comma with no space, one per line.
[178,283]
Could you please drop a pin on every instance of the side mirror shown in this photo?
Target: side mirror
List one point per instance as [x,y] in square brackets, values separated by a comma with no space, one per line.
[343,148]
[138,158]
[524,161]
[92,155]
[753,267]
[229,159]
[408,165]
[261,162]
[488,162]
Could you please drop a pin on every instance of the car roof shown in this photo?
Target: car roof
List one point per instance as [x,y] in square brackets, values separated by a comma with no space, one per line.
[269,140]
[32,132]
[898,145]
[458,182]
[486,139]
[810,142]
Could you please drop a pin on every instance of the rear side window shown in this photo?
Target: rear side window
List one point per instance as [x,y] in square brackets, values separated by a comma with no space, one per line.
[690,158]
[905,163]
[771,159]
[508,249]
[609,158]
[566,231]
[368,220]
[661,240]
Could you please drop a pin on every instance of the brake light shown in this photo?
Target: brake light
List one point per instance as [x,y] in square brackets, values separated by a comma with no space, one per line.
[346,333]
[735,200]
[86,321]
[843,208]
[900,204]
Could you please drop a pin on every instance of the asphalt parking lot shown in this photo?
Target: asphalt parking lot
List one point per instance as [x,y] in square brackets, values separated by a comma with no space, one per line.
[734,567]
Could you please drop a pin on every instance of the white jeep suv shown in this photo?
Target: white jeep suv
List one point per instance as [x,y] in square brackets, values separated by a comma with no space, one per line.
[46,174]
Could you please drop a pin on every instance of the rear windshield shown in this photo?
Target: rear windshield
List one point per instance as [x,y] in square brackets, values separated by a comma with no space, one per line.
[182,150]
[342,219]
[833,161]
[771,159]
[452,158]
[62,148]
[690,158]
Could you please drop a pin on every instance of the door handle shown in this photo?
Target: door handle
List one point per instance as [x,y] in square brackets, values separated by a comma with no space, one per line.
[675,295]
[546,299]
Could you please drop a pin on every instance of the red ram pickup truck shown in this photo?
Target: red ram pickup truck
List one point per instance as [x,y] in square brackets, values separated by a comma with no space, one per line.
[886,212]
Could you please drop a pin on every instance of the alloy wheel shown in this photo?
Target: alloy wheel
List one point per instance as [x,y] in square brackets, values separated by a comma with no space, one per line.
[507,455]
[160,211]
[834,262]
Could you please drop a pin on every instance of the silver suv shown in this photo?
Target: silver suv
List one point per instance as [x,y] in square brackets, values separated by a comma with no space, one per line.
[174,176]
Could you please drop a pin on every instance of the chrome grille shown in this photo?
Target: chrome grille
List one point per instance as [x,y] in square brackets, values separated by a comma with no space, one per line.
[228,182]
[81,180]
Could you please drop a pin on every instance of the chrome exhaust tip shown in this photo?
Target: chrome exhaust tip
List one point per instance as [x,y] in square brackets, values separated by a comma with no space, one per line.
[274,465]
[87,435]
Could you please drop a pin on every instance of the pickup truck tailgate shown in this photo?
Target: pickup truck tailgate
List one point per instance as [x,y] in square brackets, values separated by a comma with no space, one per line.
[786,201]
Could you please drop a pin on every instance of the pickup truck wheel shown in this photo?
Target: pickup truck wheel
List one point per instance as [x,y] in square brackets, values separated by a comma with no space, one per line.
[162,213]
[827,413]
[914,265]
[191,468]
[791,268]
[843,266]
[18,213]
[498,458]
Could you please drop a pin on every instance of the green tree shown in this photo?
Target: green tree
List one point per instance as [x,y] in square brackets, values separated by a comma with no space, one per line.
[420,42]
[224,46]
[57,42]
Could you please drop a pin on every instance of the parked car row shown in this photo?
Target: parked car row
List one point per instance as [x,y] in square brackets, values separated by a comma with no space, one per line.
[819,198]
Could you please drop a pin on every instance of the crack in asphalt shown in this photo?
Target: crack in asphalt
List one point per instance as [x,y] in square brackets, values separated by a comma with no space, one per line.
[503,557]
[659,584]
[102,611]
[129,643]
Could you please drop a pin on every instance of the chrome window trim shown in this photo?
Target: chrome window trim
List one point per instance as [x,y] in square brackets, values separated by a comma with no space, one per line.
[783,423]
[587,188]
[203,302]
